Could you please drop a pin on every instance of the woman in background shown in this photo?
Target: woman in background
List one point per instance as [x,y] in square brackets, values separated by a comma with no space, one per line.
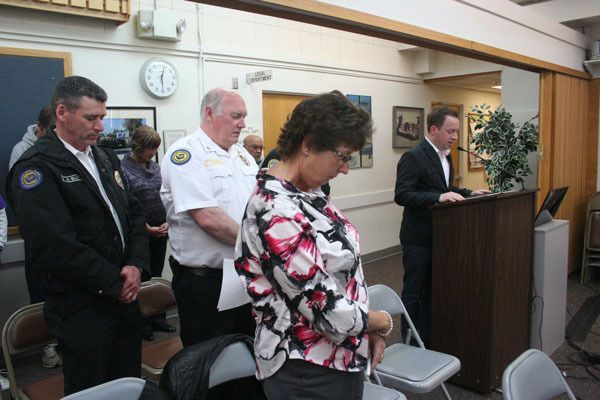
[143,176]
[299,258]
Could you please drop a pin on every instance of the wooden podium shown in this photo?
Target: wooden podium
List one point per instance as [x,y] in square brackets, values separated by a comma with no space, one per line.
[481,283]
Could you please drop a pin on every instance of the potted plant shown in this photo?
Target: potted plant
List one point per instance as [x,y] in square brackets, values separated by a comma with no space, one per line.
[503,145]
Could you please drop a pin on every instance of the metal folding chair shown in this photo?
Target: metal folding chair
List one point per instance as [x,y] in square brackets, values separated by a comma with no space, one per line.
[25,331]
[405,367]
[591,242]
[123,388]
[156,296]
[533,376]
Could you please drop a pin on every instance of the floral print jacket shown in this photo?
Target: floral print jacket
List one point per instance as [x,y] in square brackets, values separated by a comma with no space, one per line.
[299,259]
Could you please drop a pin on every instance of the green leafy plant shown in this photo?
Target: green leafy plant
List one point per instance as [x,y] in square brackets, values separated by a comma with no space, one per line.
[504,144]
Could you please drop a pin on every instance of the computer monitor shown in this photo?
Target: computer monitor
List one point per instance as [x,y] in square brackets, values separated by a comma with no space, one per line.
[550,205]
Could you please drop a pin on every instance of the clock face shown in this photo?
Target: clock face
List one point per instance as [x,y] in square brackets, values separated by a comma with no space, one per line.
[159,78]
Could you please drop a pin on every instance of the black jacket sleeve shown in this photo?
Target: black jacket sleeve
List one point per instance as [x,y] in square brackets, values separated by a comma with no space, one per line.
[410,190]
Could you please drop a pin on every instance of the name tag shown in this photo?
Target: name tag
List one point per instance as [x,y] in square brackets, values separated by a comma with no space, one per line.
[71,178]
[212,163]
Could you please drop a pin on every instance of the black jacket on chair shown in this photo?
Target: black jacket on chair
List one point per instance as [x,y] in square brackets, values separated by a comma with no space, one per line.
[186,374]
[419,183]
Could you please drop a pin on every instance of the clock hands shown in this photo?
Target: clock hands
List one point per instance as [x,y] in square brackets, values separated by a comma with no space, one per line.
[162,75]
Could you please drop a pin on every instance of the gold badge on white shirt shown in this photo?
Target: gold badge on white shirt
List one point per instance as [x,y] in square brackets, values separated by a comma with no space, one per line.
[243,158]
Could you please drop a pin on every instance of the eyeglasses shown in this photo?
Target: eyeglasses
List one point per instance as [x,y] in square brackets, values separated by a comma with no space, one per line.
[344,158]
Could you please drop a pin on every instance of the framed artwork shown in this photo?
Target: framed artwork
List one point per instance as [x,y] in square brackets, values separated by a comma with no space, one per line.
[355,161]
[119,124]
[407,126]
[474,162]
[171,136]
[364,157]
[366,154]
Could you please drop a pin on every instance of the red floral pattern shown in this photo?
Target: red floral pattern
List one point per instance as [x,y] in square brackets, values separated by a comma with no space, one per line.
[299,259]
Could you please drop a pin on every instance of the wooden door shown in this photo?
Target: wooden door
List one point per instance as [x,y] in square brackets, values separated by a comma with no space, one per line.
[276,108]
[454,149]
[569,149]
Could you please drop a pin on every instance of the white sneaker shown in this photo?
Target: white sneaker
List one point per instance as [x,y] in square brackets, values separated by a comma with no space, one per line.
[4,383]
[50,358]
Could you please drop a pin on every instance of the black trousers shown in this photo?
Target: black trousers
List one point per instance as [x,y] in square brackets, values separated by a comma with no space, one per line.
[197,299]
[416,289]
[301,380]
[99,338]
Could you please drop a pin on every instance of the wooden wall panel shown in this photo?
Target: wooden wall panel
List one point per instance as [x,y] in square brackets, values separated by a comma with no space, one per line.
[569,142]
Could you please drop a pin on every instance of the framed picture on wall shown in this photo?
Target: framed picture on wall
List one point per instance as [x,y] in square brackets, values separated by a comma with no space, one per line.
[119,124]
[407,126]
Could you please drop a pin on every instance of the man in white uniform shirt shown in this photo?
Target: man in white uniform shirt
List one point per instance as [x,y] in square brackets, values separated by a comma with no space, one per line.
[206,180]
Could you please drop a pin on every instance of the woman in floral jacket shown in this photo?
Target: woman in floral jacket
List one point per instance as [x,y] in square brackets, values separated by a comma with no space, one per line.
[299,258]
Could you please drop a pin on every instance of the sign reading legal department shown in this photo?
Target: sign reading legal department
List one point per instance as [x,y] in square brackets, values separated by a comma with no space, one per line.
[259,76]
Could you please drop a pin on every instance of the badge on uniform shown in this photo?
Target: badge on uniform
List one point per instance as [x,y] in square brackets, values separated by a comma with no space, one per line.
[119,180]
[30,178]
[180,157]
[243,158]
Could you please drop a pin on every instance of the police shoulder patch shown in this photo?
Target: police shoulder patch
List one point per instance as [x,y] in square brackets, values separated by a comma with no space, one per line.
[180,157]
[30,178]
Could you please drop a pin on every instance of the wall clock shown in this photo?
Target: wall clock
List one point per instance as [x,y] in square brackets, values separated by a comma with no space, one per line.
[159,78]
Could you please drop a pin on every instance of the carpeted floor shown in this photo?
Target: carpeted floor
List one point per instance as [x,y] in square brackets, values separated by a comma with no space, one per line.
[583,379]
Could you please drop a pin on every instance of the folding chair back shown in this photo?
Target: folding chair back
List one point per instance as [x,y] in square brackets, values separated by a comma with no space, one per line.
[405,367]
[591,243]
[533,376]
[156,296]
[377,392]
[234,362]
[25,331]
[123,388]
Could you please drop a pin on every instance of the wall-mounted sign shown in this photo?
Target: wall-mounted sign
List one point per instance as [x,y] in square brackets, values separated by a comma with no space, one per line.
[259,76]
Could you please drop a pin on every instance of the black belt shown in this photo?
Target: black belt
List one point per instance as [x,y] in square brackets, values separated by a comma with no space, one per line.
[194,271]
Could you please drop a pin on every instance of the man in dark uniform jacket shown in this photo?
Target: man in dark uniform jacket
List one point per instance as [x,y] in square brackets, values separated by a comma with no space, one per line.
[87,239]
[424,177]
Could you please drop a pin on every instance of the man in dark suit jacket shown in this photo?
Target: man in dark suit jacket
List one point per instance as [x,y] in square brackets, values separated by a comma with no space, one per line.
[424,177]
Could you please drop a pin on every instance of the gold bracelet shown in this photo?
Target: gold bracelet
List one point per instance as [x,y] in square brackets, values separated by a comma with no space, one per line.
[389,330]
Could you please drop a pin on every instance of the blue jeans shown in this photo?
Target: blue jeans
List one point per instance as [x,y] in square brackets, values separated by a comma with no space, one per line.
[416,289]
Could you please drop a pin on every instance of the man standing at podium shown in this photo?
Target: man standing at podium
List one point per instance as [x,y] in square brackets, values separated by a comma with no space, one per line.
[424,177]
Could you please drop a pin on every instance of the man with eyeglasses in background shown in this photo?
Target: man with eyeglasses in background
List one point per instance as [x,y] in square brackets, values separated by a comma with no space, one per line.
[254,145]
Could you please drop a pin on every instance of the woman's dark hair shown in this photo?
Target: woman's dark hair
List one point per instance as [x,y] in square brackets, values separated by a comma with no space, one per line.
[326,121]
[144,137]
[45,118]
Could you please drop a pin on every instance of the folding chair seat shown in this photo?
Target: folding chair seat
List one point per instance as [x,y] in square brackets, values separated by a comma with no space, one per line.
[405,367]
[155,297]
[591,242]
[25,331]
[534,376]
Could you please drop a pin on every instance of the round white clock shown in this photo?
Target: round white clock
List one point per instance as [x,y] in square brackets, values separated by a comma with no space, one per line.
[159,78]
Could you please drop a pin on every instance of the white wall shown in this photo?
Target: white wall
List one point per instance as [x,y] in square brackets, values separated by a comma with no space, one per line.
[498,23]
[222,44]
